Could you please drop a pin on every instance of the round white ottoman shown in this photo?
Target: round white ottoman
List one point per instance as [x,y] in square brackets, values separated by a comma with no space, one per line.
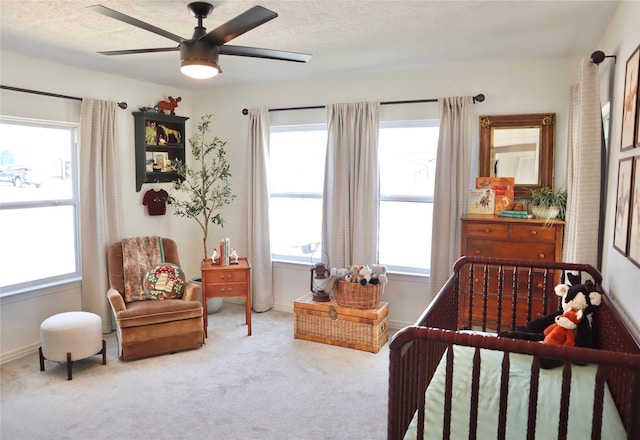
[71,336]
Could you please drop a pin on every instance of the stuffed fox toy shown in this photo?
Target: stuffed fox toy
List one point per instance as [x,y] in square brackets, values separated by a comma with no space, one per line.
[561,331]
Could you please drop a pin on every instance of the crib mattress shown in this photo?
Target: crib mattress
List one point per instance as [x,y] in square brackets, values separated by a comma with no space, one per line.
[548,409]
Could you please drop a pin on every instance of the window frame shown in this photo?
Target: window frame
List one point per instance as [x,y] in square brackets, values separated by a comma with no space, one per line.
[431,122]
[283,128]
[426,123]
[73,202]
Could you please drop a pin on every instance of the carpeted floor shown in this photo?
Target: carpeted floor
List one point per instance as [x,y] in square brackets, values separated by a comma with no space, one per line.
[267,386]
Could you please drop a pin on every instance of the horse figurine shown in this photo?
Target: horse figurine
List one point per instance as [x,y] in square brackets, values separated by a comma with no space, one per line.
[170,132]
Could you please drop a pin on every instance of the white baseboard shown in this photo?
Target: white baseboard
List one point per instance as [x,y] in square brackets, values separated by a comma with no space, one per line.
[19,352]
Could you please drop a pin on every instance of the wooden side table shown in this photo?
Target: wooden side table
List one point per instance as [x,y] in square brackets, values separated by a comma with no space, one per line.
[226,282]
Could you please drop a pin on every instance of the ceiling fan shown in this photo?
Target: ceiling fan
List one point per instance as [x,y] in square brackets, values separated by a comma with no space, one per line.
[199,54]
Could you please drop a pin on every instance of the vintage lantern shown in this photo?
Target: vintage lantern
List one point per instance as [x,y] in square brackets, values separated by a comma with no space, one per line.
[319,281]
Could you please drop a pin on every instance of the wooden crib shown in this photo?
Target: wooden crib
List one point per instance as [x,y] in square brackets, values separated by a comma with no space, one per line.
[482,297]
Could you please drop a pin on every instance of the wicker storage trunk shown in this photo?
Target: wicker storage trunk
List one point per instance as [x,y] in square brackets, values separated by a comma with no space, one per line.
[329,323]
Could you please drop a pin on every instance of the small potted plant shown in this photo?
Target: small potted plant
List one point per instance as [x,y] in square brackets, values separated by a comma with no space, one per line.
[206,185]
[548,204]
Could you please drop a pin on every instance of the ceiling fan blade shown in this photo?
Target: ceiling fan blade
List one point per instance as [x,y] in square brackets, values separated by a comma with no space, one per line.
[270,54]
[237,26]
[135,51]
[135,22]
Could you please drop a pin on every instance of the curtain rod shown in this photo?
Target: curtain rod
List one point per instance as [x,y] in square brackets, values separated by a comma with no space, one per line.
[478,98]
[122,105]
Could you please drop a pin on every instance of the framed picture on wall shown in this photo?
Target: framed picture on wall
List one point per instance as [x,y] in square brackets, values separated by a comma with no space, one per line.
[630,102]
[634,220]
[623,198]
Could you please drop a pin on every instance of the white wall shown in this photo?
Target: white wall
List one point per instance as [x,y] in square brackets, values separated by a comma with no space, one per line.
[621,277]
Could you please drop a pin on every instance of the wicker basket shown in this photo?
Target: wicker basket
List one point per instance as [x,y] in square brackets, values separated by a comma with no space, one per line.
[358,296]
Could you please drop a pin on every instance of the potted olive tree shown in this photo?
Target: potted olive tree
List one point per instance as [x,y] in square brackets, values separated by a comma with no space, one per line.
[204,188]
[548,204]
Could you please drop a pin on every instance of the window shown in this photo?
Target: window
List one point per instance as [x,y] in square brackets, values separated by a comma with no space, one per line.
[407,154]
[296,174]
[38,204]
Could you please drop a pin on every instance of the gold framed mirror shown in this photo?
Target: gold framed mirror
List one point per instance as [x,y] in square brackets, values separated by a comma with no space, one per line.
[519,146]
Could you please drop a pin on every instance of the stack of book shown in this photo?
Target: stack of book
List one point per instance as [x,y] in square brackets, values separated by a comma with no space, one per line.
[225,250]
[514,214]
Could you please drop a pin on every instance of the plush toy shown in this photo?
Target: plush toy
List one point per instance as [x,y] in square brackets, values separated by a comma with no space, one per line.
[379,275]
[336,275]
[364,275]
[586,297]
[561,331]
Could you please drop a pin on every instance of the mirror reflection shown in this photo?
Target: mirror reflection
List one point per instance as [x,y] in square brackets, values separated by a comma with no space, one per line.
[516,154]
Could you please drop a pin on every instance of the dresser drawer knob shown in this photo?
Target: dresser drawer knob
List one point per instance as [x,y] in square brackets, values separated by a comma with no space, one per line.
[223,290]
[225,277]
[477,251]
[487,229]
[541,256]
[534,232]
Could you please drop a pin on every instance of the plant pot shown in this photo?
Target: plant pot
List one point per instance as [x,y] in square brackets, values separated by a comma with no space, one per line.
[213,304]
[545,212]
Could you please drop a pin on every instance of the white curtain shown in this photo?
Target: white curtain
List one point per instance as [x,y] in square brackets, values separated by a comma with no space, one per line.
[584,161]
[351,187]
[100,203]
[258,208]
[453,165]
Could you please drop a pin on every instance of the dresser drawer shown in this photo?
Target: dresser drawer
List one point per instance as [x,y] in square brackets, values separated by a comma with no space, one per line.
[487,230]
[511,249]
[529,232]
[227,276]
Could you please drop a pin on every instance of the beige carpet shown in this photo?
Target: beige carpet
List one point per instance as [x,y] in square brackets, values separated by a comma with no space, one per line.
[267,386]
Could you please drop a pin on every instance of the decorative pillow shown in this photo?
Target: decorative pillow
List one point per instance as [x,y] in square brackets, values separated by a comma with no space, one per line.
[164,281]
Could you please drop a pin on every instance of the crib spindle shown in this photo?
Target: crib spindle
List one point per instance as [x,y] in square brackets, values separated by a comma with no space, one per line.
[514,298]
[564,400]
[504,393]
[598,398]
[533,398]
[475,388]
[485,297]
[500,292]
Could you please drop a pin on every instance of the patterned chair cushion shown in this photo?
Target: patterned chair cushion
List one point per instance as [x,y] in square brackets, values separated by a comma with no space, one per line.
[164,281]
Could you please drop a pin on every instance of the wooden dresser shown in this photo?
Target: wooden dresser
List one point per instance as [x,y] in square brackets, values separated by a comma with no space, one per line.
[499,237]
[522,239]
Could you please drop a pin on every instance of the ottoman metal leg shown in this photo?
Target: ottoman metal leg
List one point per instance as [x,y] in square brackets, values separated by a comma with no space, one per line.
[69,363]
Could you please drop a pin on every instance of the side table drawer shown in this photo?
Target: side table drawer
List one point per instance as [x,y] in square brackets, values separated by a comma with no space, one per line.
[226,289]
[227,276]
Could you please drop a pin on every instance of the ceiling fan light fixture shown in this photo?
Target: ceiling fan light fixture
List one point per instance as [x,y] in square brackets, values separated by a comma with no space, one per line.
[200,69]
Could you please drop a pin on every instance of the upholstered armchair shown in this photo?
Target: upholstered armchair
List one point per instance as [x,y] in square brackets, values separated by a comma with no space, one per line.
[151,327]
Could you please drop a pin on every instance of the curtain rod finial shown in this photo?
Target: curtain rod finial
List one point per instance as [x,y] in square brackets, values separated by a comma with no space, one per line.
[123,105]
[599,56]
[478,98]
[245,111]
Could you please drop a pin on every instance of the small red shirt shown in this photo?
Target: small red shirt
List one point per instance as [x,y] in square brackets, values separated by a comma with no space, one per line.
[156,201]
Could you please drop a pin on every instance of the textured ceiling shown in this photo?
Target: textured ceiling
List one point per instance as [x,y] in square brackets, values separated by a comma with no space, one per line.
[344,36]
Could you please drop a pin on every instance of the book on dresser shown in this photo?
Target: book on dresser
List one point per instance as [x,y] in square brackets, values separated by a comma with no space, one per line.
[514,214]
